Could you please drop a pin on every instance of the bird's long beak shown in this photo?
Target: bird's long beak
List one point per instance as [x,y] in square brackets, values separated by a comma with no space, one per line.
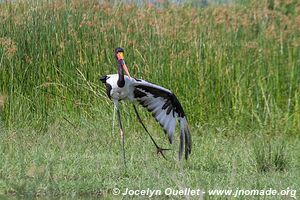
[120,57]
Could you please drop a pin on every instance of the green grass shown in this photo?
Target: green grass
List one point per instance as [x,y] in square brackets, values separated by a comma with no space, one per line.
[234,68]
[86,161]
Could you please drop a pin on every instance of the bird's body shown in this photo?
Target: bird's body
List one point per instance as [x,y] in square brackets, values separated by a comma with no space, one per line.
[161,102]
[119,93]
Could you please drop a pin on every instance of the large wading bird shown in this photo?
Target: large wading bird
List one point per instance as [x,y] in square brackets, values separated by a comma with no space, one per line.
[161,102]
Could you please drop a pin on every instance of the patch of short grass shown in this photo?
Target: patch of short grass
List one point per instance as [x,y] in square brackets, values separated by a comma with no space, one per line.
[65,161]
[271,155]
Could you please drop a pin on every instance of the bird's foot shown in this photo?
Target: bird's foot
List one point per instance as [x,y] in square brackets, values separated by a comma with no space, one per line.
[160,150]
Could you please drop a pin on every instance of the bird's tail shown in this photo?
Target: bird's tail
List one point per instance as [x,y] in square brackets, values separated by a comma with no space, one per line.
[185,138]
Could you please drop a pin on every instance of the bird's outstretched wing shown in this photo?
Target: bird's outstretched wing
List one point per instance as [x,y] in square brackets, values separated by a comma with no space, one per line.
[165,108]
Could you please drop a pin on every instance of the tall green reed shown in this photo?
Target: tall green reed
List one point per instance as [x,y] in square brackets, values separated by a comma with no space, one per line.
[227,64]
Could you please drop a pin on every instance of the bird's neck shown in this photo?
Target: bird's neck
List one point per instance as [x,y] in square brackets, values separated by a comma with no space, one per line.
[121,80]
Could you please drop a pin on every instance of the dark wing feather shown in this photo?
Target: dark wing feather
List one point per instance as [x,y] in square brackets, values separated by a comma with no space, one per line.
[165,108]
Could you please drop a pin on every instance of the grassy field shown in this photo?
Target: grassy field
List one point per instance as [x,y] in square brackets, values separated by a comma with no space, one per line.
[235,68]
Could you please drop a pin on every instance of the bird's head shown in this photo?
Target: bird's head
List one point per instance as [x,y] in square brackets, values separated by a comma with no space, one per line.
[119,54]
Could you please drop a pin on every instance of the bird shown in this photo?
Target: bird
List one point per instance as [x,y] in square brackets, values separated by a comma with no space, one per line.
[161,102]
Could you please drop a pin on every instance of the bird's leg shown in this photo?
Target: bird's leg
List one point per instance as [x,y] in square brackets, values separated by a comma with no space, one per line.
[113,120]
[122,135]
[159,149]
